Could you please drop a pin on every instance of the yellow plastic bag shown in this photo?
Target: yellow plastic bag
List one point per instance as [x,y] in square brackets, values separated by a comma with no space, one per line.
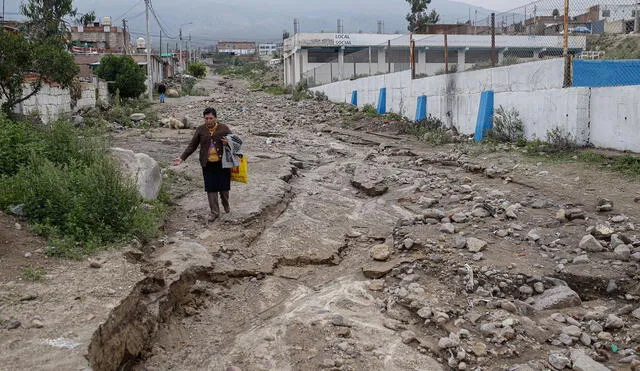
[240,173]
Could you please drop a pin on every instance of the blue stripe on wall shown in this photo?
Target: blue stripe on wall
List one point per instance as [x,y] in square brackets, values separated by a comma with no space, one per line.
[592,74]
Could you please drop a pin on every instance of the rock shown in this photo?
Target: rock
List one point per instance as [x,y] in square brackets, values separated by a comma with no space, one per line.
[605,336]
[94,264]
[27,255]
[572,331]
[582,362]
[448,342]
[448,228]
[636,313]
[475,245]
[539,204]
[612,287]
[137,117]
[595,327]
[233,368]
[613,322]
[376,285]
[561,215]
[77,120]
[29,297]
[622,252]
[480,212]
[525,290]
[558,360]
[10,325]
[407,336]
[558,317]
[509,306]
[187,122]
[433,214]
[565,339]
[460,242]
[17,226]
[144,170]
[380,252]
[459,217]
[477,256]
[378,270]
[425,313]
[511,211]
[585,339]
[533,235]
[538,287]
[17,210]
[604,205]
[502,233]
[635,256]
[574,214]
[37,324]
[427,202]
[602,232]
[479,349]
[558,297]
[172,93]
[408,243]
[581,259]
[174,123]
[590,244]
[619,219]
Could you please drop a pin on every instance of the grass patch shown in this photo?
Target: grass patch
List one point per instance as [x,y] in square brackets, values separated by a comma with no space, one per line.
[33,274]
[369,111]
[71,190]
[120,113]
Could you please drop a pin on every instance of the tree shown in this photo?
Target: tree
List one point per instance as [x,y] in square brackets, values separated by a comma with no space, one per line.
[555,13]
[40,54]
[418,18]
[86,19]
[46,18]
[123,74]
[197,69]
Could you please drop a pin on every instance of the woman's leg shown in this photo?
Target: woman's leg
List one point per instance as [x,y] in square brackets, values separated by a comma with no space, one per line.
[224,196]
[213,204]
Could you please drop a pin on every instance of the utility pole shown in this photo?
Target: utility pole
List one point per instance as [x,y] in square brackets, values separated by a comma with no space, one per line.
[148,45]
[124,36]
[189,48]
[160,43]
[180,59]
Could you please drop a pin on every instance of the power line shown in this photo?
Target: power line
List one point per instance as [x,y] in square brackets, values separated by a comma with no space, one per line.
[127,12]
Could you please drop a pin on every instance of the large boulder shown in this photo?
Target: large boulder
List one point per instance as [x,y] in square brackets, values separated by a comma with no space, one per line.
[172,93]
[143,169]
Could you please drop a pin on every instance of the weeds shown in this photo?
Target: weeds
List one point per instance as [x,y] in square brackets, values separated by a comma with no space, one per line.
[71,190]
[431,129]
[369,110]
[33,274]
[507,126]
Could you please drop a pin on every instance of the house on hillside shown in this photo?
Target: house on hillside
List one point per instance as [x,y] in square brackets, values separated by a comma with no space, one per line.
[237,47]
[100,38]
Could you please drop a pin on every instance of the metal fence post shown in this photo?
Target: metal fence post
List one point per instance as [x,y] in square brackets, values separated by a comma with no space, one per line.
[565,47]
[493,39]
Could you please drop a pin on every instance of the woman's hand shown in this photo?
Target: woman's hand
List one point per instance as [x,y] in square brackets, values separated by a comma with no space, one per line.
[225,141]
[177,161]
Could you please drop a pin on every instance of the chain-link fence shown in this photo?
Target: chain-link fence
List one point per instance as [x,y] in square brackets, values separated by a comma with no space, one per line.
[584,30]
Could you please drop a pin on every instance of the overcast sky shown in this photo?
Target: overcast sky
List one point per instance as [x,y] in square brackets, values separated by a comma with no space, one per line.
[212,20]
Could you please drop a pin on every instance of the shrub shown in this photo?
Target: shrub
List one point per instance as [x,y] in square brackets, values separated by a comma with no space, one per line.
[124,75]
[301,91]
[369,110]
[507,126]
[197,69]
[559,141]
[427,126]
[72,191]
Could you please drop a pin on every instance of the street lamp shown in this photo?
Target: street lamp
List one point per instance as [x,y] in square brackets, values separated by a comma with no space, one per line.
[180,27]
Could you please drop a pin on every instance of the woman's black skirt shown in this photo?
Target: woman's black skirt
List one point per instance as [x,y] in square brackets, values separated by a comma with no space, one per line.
[216,179]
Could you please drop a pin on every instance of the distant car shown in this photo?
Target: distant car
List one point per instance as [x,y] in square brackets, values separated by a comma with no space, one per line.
[580,30]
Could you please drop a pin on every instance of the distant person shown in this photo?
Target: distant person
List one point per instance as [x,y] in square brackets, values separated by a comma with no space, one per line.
[211,138]
[162,89]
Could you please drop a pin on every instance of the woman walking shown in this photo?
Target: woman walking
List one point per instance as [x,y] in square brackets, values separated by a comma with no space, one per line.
[211,138]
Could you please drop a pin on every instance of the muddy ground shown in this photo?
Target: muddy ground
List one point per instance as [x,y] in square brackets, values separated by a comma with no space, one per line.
[351,248]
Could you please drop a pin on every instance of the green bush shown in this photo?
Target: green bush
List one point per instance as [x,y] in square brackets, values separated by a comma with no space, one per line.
[197,69]
[369,110]
[507,126]
[72,192]
[123,74]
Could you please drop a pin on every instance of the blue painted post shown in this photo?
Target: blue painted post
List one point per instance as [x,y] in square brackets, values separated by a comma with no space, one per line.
[421,109]
[382,101]
[354,97]
[485,115]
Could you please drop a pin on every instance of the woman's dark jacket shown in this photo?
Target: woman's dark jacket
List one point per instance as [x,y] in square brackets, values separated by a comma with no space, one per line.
[203,139]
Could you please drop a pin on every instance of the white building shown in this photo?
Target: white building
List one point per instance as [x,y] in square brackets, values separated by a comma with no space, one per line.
[321,58]
[269,48]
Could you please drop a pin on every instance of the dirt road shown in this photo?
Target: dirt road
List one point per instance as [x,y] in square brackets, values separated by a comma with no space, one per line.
[348,250]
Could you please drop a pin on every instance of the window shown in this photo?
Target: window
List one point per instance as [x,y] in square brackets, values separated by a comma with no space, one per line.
[606,13]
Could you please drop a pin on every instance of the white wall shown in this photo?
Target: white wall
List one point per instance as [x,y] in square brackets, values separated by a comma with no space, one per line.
[51,102]
[606,117]
[615,117]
